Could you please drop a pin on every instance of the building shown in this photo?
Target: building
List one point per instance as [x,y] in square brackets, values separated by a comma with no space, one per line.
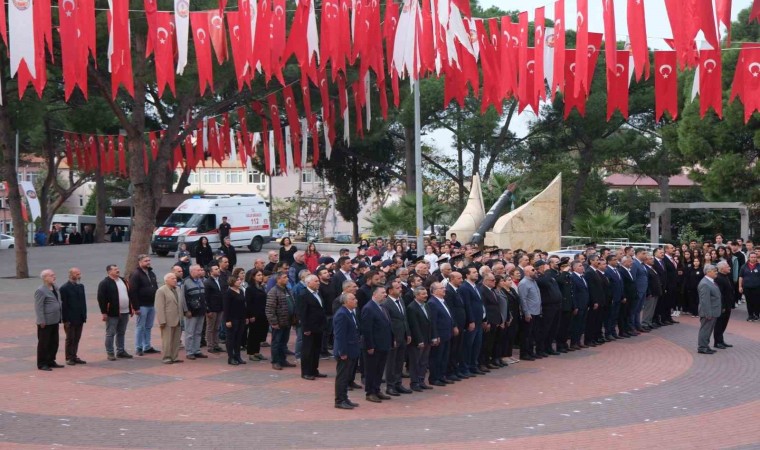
[618,181]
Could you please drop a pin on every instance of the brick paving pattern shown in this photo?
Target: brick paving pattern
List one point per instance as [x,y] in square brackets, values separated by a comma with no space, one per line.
[650,391]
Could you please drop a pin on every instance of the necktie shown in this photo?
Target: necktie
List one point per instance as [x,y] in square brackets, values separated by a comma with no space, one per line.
[424,310]
[400,308]
[316,294]
[353,317]
[444,307]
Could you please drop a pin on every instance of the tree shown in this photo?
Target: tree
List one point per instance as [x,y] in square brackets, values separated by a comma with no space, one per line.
[606,224]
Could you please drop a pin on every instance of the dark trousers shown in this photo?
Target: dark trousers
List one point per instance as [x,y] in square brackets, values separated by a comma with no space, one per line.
[234,338]
[374,365]
[47,344]
[624,323]
[344,375]
[439,358]
[486,351]
[578,325]
[611,319]
[662,309]
[326,335]
[550,324]
[472,343]
[394,367]
[593,324]
[73,335]
[527,344]
[753,301]
[280,338]
[419,358]
[511,336]
[720,326]
[312,345]
[455,354]
[257,333]
[563,330]
[500,341]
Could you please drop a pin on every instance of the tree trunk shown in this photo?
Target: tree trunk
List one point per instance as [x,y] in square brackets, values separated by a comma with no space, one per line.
[663,182]
[183,183]
[14,196]
[411,164]
[584,170]
[355,200]
[476,159]
[101,205]
[46,190]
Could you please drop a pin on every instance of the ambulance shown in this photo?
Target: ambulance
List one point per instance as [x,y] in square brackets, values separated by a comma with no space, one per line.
[201,215]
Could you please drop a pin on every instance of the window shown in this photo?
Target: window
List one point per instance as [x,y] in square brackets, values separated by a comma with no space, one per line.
[234,177]
[28,176]
[81,200]
[308,176]
[212,176]
[256,177]
[192,178]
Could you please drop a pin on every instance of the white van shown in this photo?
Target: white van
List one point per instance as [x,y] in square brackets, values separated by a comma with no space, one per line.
[201,215]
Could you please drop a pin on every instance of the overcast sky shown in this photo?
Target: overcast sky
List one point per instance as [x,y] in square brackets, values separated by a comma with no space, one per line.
[657,23]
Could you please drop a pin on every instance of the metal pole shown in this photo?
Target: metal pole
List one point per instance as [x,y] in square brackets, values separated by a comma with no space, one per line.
[418,169]
[17,152]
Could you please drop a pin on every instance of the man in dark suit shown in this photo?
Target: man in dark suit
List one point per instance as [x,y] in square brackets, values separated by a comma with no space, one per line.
[641,278]
[551,304]
[726,286]
[616,287]
[342,273]
[394,367]
[213,286]
[311,313]
[710,306]
[74,312]
[377,340]
[47,310]
[654,291]
[660,307]
[473,336]
[364,294]
[422,329]
[345,348]
[630,292]
[596,299]
[445,328]
[456,307]
[490,324]
[580,305]
[671,284]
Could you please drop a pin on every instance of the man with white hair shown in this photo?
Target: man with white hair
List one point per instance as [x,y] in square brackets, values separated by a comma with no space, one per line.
[728,299]
[47,309]
[168,313]
[709,308]
[310,308]
[295,269]
[73,314]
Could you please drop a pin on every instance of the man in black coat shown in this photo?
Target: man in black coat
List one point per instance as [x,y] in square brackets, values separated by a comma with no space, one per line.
[661,309]
[421,328]
[459,313]
[726,286]
[394,306]
[213,287]
[654,292]
[311,313]
[74,314]
[596,299]
[229,251]
[490,324]
[629,297]
[142,287]
[377,341]
[551,304]
[671,284]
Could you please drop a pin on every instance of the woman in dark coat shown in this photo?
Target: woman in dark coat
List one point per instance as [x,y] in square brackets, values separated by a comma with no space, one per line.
[235,319]
[255,303]
[694,275]
[203,253]
[287,251]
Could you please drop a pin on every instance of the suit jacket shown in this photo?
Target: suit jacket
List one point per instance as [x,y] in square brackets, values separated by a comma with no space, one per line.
[655,282]
[168,309]
[580,292]
[473,304]
[346,334]
[630,293]
[47,306]
[442,320]
[641,277]
[363,296]
[337,282]
[310,313]
[616,283]
[376,328]
[491,304]
[421,325]
[595,287]
[662,274]
[726,286]
[710,303]
[73,303]
[213,294]
[456,307]
[399,325]
[671,282]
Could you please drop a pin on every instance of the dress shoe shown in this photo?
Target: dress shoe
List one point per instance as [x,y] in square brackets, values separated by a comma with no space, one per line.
[201,355]
[707,351]
[265,344]
[276,366]
[374,398]
[583,346]
[425,386]
[403,390]
[642,330]
[727,345]
[382,396]
[55,365]
[111,357]
[151,350]
[591,343]
[492,366]
[343,405]
[574,347]
[463,376]
[124,355]
[70,362]
[437,383]
[139,352]
[233,362]
[600,341]
[608,339]
[478,372]
[45,368]
[562,350]
[392,392]
[320,375]
[416,388]
[527,358]
[720,346]
[308,377]
[177,361]
[355,385]
[166,361]
[453,378]
[288,364]
[240,361]
[80,361]
[191,357]
[355,405]
[672,322]
[553,353]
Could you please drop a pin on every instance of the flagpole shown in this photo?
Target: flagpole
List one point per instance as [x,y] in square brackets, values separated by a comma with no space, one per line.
[418,168]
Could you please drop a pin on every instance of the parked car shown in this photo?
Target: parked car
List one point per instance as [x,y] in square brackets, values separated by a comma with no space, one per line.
[6,241]
[343,238]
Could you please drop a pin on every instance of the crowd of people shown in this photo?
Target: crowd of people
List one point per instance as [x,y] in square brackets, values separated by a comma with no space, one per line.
[386,313]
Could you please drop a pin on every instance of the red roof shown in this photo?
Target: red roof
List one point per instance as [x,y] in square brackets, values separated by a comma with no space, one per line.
[627,180]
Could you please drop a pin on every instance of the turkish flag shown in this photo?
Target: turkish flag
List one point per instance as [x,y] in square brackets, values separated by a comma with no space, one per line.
[683,39]
[702,17]
[277,42]
[213,141]
[425,40]
[217,35]
[532,98]
[73,48]
[754,14]
[665,84]
[558,77]
[200,154]
[164,52]
[150,7]
[522,60]
[751,81]
[153,141]
[104,166]
[69,155]
[329,39]
[723,12]
[303,41]
[581,42]
[291,110]
[539,86]
[112,155]
[570,97]
[201,39]
[3,26]
[617,85]
[507,60]
[122,157]
[390,25]
[637,30]
[710,83]
[343,50]
[190,153]
[274,114]
[121,48]
[243,120]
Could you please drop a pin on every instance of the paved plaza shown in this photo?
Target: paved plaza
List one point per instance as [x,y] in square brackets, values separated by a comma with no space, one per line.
[653,391]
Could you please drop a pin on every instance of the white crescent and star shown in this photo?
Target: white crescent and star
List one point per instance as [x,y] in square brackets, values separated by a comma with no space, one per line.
[710,65]
[581,19]
[619,69]
[162,31]
[216,21]
[754,73]
[201,33]
[68,10]
[666,68]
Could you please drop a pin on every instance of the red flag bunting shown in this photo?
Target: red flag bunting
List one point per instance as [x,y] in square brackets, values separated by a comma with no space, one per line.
[665,84]
[538,66]
[200,22]
[617,85]
[274,113]
[637,30]
[723,13]
[754,14]
[295,125]
[122,156]
[581,41]
[558,77]
[610,38]
[121,56]
[710,83]
[164,52]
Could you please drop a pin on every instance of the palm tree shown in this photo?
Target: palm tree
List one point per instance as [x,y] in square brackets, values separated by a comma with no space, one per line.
[389,220]
[433,212]
[604,224]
